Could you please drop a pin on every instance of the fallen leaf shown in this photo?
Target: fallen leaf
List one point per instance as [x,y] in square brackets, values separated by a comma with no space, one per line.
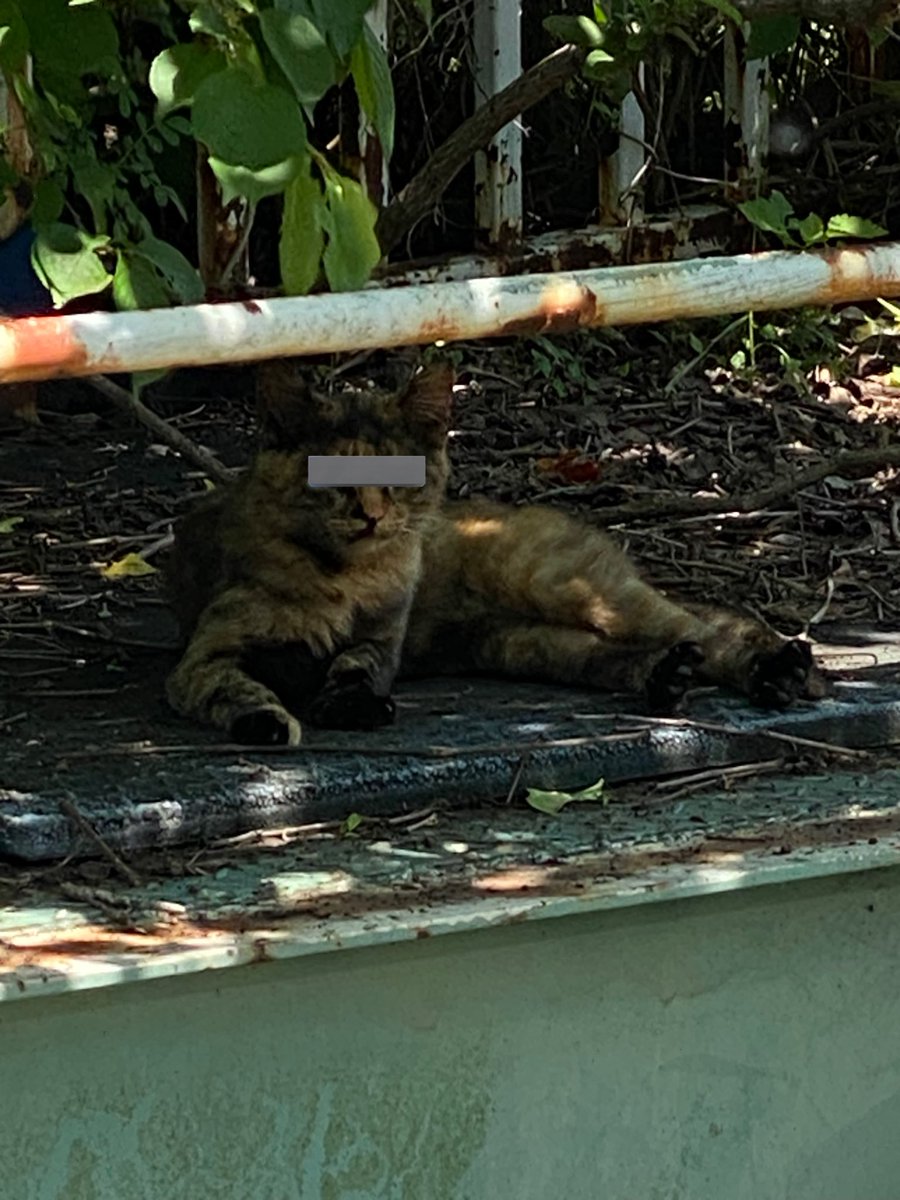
[571,466]
[553,802]
[350,822]
[129,567]
[8,524]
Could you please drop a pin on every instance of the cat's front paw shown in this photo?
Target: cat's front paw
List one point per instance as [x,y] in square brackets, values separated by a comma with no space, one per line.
[269,725]
[784,675]
[352,706]
[670,679]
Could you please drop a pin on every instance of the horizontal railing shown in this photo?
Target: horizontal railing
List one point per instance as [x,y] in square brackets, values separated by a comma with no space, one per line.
[243,331]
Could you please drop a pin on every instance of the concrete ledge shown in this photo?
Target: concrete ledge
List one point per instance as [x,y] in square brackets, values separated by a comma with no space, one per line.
[460,741]
[263,900]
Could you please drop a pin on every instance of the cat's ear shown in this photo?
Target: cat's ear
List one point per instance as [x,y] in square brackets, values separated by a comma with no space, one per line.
[285,406]
[428,399]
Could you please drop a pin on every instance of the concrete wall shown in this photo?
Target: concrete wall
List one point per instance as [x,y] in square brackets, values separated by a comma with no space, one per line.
[739,1047]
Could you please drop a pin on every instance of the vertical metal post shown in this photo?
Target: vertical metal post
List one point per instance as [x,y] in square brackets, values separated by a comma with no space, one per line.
[374,173]
[620,197]
[755,119]
[746,114]
[498,170]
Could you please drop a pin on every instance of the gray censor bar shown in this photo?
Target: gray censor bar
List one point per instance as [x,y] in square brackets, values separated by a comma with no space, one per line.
[366,470]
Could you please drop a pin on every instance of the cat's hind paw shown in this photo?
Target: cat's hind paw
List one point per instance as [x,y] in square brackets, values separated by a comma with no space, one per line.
[268,725]
[672,676]
[787,674]
[352,706]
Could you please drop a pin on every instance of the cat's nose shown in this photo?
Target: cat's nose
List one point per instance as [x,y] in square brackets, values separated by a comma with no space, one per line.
[370,505]
[361,514]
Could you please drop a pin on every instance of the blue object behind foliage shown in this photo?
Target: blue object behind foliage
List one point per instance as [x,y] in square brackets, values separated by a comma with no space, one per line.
[21,292]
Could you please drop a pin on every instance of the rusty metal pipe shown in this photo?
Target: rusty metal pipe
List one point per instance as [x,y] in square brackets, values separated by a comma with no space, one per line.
[88,344]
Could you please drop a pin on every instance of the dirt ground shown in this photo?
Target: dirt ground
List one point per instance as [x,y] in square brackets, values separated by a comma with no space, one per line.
[598,423]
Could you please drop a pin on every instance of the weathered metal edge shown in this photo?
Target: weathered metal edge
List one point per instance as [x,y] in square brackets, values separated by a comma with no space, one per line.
[305,935]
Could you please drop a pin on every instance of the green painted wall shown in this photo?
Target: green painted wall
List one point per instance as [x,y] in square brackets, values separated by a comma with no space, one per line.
[739,1047]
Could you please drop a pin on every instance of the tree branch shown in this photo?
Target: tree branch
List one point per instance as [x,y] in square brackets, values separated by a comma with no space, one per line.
[474,133]
[853,463]
[126,403]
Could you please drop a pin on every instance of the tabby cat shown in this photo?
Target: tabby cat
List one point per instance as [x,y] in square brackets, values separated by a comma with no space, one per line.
[307,603]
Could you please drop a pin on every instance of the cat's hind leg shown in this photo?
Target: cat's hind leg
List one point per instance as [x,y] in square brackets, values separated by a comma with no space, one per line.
[659,671]
[742,653]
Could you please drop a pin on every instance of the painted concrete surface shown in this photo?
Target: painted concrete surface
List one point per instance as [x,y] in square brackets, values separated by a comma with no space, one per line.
[736,1047]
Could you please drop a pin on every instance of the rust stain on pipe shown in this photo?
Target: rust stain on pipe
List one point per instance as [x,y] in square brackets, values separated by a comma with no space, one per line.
[84,344]
[40,348]
[850,275]
[563,308]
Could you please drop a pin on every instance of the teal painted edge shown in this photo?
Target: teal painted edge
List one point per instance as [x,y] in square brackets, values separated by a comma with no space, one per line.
[51,974]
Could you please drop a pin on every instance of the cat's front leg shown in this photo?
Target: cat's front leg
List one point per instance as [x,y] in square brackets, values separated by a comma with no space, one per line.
[211,685]
[357,689]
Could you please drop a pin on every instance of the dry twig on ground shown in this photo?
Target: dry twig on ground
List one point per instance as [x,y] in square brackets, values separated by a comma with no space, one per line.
[167,433]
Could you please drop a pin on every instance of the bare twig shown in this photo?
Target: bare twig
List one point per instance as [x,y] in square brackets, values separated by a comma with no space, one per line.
[717,775]
[126,403]
[850,463]
[74,813]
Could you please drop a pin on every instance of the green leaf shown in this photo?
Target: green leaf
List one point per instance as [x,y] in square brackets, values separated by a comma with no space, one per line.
[49,202]
[843,225]
[595,62]
[183,279]
[177,72]
[301,51]
[553,802]
[770,214]
[580,31]
[374,86]
[726,9]
[340,22]
[8,524]
[207,20]
[771,35]
[350,822]
[137,285]
[255,185]
[302,239]
[68,43]
[247,124]
[14,42]
[811,229]
[95,181]
[66,262]
[352,252]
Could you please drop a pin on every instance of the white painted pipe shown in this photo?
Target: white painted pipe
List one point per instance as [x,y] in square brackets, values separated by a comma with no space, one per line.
[87,344]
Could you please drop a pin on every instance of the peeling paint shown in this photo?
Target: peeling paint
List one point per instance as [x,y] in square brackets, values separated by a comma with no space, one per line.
[82,344]
[40,348]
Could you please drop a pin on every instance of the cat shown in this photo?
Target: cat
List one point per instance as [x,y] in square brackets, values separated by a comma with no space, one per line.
[306,604]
